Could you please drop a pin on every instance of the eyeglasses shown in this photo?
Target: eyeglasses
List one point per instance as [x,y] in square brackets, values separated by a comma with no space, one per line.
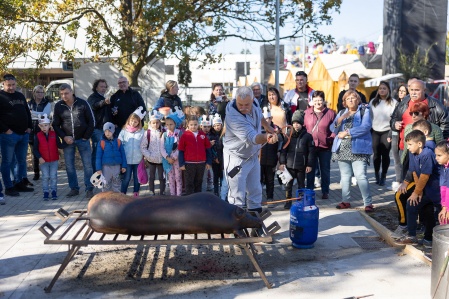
[122,82]
[415,113]
[39,92]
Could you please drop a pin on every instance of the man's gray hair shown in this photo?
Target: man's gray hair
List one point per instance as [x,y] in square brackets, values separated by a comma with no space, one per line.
[122,77]
[244,92]
[65,86]
[257,84]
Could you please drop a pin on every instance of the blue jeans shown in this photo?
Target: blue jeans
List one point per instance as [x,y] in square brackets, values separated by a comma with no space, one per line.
[131,169]
[85,152]
[359,170]
[14,144]
[323,160]
[96,137]
[49,176]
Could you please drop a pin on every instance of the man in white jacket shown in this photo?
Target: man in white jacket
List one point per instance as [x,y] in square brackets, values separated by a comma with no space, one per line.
[242,142]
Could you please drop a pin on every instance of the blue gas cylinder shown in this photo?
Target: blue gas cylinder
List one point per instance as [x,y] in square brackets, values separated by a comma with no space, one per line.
[304,216]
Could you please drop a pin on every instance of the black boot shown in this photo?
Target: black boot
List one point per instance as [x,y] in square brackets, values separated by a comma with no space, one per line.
[288,205]
[382,179]
[377,178]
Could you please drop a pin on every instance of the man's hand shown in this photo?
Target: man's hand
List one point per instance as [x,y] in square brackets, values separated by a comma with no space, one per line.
[308,169]
[281,167]
[100,172]
[272,138]
[402,188]
[123,170]
[68,139]
[208,166]
[107,101]
[414,199]
[41,160]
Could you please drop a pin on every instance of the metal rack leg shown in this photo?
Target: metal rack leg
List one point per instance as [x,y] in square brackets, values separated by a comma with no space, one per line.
[249,253]
[64,264]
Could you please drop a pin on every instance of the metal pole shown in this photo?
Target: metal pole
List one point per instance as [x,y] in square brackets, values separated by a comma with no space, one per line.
[276,49]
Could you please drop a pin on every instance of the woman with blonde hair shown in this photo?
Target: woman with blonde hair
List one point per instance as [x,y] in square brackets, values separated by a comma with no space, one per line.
[169,97]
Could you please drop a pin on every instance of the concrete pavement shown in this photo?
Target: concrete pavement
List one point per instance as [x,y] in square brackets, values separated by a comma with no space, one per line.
[349,259]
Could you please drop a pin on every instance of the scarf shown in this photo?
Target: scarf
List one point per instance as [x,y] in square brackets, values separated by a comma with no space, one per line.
[131,129]
[170,139]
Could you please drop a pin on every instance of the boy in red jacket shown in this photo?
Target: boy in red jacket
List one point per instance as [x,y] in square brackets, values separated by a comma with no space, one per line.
[194,155]
[45,148]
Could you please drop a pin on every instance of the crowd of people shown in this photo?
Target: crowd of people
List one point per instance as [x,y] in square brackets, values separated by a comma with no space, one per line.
[239,143]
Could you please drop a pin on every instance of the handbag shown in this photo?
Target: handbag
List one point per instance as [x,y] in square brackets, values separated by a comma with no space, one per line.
[142,174]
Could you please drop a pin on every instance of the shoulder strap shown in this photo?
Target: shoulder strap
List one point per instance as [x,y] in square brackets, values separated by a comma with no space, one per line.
[148,137]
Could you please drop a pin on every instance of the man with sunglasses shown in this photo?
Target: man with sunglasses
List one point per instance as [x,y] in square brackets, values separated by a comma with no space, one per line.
[15,127]
[300,98]
[124,102]
[401,115]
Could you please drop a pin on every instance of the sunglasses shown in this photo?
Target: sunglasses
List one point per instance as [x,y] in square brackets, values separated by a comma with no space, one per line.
[415,113]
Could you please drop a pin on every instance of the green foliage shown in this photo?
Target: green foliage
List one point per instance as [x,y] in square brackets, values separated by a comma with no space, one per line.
[185,74]
[131,33]
[416,64]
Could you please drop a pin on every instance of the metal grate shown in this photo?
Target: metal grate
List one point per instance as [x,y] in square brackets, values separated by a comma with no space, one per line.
[370,243]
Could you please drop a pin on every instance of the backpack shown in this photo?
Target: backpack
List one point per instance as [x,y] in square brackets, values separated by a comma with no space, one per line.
[102,143]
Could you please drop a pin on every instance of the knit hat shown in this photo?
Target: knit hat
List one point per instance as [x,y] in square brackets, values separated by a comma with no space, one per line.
[298,116]
[109,126]
[205,121]
[266,112]
[217,119]
[156,115]
[141,112]
[43,119]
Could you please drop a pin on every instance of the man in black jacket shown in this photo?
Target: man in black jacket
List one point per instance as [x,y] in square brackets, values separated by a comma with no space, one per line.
[74,123]
[15,127]
[438,113]
[124,102]
[102,112]
[353,82]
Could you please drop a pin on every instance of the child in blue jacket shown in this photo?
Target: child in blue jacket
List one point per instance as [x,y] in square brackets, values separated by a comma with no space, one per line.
[111,159]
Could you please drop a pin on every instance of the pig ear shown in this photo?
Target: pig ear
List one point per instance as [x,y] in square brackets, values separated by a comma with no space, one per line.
[239,213]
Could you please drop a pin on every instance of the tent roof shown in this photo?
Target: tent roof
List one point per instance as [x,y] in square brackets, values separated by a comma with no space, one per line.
[376,81]
[336,64]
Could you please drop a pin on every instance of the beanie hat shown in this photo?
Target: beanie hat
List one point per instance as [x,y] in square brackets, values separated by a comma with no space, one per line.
[141,112]
[175,118]
[217,119]
[298,116]
[43,119]
[109,126]
[266,112]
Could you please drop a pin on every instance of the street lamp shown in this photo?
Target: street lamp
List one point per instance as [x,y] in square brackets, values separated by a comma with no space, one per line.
[276,49]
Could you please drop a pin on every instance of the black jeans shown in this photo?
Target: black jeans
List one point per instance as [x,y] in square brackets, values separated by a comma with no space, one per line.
[267,172]
[381,151]
[193,176]
[300,176]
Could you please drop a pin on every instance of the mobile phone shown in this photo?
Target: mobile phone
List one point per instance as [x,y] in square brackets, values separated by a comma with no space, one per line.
[234,171]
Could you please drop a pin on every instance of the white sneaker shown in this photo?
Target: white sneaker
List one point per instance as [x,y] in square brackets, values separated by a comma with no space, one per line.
[317,182]
[394,186]
[400,232]
[354,181]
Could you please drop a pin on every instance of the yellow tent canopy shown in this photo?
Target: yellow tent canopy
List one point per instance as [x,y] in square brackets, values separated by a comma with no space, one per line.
[330,73]
[286,80]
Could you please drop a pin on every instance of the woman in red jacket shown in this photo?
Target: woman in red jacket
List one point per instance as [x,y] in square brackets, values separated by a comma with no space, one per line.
[317,120]
[194,155]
